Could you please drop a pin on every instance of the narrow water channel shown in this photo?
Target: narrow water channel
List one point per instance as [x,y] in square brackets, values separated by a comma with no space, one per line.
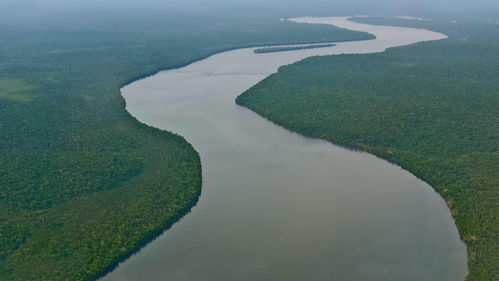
[279,206]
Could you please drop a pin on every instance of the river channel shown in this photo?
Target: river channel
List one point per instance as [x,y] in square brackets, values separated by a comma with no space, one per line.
[279,206]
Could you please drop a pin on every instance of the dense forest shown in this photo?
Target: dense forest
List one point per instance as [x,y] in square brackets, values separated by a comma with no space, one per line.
[82,183]
[432,108]
[292,48]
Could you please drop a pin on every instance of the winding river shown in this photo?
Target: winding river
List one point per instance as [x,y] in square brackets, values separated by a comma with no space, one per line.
[279,206]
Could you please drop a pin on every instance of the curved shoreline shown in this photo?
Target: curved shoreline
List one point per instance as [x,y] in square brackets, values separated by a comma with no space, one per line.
[177,69]
[153,235]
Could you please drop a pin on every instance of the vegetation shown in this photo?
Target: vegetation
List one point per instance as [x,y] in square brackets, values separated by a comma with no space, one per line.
[291,48]
[82,183]
[432,108]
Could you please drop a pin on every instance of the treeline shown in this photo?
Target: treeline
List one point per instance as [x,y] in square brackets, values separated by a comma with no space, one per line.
[82,183]
[432,108]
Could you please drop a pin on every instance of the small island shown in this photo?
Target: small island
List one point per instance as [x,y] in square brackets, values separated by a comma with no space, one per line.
[292,48]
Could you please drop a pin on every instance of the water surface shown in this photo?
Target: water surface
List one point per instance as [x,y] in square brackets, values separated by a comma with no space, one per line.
[279,206]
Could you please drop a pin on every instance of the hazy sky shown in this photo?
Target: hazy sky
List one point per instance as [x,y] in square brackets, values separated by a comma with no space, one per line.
[27,10]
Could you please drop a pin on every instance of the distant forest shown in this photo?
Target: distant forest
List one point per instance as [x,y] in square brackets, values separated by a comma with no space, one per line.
[432,108]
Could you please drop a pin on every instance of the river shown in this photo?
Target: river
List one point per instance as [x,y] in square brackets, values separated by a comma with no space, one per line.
[279,206]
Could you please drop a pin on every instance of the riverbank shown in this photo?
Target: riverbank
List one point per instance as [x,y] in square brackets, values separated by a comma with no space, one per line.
[429,108]
[83,183]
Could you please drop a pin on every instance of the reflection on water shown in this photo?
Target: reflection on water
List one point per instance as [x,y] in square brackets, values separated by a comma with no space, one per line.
[279,206]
